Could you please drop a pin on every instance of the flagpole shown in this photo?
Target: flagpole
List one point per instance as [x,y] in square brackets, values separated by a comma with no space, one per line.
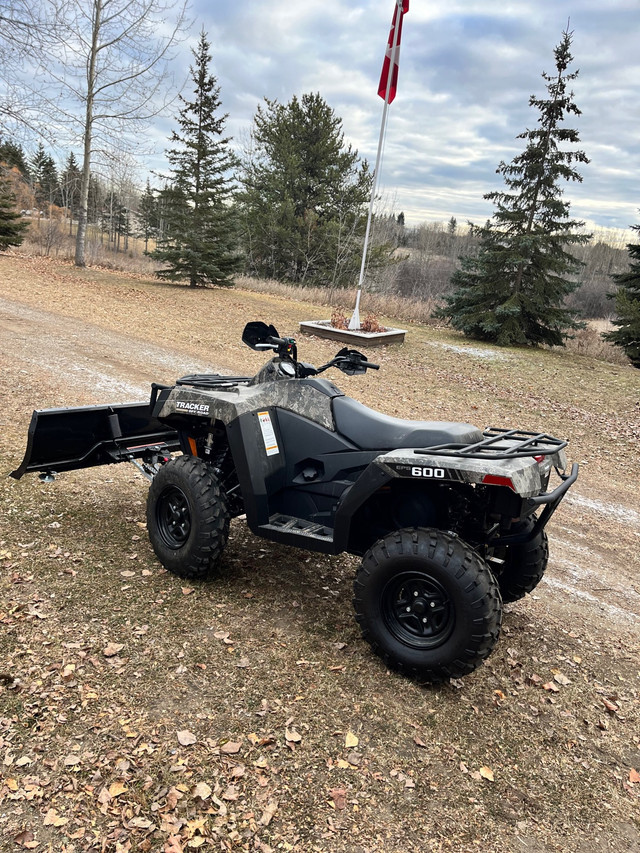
[354,322]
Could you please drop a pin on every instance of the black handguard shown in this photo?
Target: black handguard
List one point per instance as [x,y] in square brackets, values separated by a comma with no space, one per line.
[352,362]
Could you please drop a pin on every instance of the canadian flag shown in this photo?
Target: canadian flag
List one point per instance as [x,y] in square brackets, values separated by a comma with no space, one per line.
[387,90]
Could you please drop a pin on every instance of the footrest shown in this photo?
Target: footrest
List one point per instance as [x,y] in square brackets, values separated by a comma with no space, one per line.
[298,526]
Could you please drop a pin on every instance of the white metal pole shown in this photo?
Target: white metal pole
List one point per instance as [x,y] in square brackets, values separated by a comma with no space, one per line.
[354,322]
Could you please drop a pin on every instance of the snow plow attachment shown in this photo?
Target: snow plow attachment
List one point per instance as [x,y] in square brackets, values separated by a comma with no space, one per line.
[69,439]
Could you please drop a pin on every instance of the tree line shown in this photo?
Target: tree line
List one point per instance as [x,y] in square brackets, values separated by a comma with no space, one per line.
[290,206]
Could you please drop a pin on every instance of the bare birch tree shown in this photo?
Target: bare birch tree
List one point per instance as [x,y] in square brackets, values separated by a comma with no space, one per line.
[18,33]
[113,62]
[102,70]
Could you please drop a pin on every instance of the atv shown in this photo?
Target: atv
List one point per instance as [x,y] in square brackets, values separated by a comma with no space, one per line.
[449,520]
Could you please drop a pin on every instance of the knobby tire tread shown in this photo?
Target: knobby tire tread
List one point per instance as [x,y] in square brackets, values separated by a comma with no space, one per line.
[482,590]
[198,561]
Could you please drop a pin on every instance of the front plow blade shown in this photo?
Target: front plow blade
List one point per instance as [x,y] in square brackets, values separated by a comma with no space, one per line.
[69,439]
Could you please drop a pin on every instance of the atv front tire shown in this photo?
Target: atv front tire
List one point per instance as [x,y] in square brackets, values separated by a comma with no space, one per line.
[524,564]
[187,517]
[427,604]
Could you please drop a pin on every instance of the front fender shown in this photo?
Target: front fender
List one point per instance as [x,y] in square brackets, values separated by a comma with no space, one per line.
[372,479]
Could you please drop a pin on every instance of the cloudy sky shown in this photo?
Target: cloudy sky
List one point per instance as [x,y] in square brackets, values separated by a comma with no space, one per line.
[467,69]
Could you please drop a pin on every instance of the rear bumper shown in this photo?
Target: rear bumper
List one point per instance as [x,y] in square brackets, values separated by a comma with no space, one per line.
[550,501]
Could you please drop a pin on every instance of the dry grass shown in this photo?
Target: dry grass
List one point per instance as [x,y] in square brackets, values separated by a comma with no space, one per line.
[267,658]
[379,304]
[589,342]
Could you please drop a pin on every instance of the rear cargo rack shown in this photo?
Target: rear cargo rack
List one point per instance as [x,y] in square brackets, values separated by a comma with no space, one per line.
[501,444]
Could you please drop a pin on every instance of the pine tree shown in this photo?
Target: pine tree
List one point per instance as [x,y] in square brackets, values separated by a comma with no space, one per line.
[512,292]
[199,243]
[12,226]
[303,195]
[627,301]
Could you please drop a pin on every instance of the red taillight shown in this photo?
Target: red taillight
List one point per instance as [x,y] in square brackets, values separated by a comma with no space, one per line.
[539,459]
[494,480]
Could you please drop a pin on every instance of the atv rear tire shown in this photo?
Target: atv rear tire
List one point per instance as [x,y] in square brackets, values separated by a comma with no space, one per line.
[187,517]
[427,604]
[524,564]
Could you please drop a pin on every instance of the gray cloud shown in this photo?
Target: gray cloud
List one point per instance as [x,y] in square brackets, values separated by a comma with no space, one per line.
[467,69]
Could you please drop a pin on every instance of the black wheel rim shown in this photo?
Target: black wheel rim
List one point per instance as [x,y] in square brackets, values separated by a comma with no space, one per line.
[418,610]
[174,517]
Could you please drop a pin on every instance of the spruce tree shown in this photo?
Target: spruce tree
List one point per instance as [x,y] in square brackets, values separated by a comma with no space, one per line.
[148,216]
[11,154]
[627,301]
[70,181]
[44,178]
[512,291]
[199,241]
[12,226]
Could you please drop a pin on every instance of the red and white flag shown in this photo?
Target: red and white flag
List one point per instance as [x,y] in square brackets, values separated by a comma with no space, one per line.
[402,6]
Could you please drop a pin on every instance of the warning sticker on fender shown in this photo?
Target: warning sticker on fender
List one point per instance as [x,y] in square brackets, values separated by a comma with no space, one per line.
[268,434]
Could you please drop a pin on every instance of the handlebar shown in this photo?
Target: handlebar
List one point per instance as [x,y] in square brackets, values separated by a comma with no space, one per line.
[350,362]
[260,336]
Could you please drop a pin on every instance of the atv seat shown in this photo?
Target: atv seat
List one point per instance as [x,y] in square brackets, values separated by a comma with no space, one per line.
[371,430]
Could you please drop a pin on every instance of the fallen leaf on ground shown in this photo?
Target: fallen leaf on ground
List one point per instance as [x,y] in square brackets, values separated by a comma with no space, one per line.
[112,649]
[231,747]
[634,776]
[611,707]
[292,735]
[553,688]
[338,797]
[186,738]
[230,793]
[487,773]
[117,788]
[561,679]
[268,813]
[350,740]
[52,818]
[172,798]
[201,790]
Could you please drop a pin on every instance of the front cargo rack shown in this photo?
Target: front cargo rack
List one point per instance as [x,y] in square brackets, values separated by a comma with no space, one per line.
[213,381]
[501,444]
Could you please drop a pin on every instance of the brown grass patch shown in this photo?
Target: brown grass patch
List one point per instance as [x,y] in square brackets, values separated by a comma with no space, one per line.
[90,748]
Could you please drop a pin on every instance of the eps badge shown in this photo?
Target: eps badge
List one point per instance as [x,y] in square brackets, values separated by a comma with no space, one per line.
[428,473]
